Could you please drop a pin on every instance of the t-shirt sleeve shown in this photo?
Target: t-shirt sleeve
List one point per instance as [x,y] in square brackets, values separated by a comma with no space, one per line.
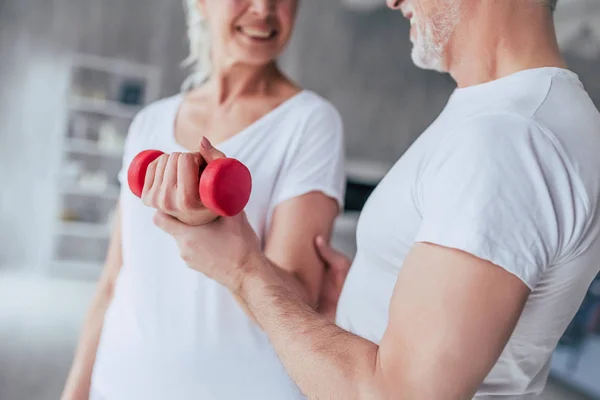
[133,134]
[317,163]
[499,188]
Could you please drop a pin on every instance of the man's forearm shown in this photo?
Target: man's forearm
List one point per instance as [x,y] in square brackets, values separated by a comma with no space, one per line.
[324,360]
[291,280]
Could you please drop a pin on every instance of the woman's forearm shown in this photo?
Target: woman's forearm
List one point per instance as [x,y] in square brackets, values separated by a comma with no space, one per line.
[79,380]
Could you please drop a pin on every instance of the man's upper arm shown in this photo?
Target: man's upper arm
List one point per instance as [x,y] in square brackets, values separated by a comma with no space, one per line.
[490,227]
[290,242]
[451,316]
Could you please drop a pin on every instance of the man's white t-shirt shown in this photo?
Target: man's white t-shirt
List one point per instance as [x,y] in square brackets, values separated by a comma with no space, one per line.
[171,332]
[510,172]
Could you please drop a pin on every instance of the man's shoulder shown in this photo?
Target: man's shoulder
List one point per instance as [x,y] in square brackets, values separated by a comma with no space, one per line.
[531,94]
[494,127]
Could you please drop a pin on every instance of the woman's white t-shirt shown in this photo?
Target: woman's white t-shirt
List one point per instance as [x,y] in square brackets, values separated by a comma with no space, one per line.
[172,333]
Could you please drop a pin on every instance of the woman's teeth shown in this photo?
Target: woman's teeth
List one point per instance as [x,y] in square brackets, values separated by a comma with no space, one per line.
[258,33]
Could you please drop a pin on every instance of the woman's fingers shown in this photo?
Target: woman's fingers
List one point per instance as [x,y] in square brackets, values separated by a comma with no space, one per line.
[188,174]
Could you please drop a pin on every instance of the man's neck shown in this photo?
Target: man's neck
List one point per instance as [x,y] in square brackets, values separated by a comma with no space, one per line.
[489,48]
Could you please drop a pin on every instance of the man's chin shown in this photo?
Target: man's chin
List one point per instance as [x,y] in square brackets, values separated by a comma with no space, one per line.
[427,63]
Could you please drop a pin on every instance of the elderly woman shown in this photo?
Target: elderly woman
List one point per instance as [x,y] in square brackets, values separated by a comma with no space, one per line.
[158,330]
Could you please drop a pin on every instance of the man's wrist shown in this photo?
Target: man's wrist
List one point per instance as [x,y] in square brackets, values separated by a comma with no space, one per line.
[256,270]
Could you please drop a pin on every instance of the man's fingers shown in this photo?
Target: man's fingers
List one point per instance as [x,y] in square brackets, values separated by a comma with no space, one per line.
[208,152]
[329,255]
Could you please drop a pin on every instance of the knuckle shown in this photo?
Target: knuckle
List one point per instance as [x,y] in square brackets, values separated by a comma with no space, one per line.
[148,199]
[195,159]
[189,244]
[184,200]
[164,201]
[185,256]
[173,157]
[189,203]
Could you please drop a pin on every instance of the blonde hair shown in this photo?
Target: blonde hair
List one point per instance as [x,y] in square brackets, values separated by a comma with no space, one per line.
[198,60]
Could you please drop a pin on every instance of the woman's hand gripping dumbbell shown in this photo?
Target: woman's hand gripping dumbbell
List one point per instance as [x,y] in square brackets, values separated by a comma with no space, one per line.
[192,188]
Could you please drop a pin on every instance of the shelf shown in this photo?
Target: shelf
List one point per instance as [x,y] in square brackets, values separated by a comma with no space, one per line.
[86,270]
[107,108]
[85,176]
[111,193]
[84,230]
[89,147]
[80,264]
[115,66]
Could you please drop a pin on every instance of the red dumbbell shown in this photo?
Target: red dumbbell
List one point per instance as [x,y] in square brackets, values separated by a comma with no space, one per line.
[225,183]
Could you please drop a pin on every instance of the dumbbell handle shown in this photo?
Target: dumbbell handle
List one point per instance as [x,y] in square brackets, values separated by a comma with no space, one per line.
[224,188]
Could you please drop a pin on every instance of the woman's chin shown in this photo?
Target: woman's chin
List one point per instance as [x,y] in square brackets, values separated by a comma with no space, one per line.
[254,58]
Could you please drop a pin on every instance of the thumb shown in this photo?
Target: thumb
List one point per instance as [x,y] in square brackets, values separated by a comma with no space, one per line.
[208,151]
[167,223]
[332,257]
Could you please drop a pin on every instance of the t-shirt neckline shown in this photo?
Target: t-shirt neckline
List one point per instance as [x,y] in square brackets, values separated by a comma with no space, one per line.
[255,125]
[550,71]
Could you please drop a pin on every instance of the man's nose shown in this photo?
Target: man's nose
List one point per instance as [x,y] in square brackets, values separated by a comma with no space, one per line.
[394,4]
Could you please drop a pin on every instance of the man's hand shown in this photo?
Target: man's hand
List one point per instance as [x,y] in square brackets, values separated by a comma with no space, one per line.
[172,182]
[222,250]
[337,268]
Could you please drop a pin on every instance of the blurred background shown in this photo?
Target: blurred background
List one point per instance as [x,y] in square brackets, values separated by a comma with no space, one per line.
[73,73]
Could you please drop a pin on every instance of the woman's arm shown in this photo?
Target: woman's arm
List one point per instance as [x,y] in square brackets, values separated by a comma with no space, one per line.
[290,244]
[78,383]
[291,240]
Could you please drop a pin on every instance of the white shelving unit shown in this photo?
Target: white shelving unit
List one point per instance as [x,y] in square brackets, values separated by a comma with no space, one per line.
[89,147]
[85,230]
[111,193]
[103,98]
[109,108]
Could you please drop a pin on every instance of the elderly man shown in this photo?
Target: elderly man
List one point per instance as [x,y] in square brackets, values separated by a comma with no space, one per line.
[477,248]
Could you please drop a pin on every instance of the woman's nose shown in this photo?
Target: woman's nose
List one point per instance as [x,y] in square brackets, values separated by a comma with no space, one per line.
[262,8]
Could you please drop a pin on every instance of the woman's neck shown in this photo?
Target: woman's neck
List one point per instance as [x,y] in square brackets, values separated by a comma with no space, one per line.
[230,82]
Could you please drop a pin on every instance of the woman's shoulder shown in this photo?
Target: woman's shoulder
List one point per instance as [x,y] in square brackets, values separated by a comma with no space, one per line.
[312,104]
[162,108]
[313,112]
